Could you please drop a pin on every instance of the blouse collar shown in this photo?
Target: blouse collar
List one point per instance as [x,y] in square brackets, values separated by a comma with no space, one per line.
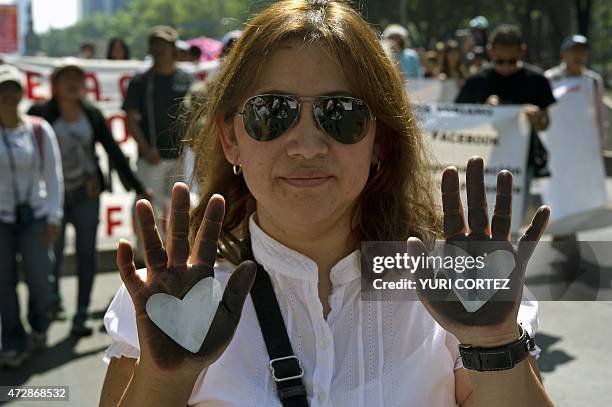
[277,258]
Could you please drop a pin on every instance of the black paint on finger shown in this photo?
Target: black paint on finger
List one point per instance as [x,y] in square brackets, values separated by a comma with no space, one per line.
[215,210]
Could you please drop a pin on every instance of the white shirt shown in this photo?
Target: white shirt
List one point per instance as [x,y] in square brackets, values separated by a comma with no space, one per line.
[365,354]
[45,179]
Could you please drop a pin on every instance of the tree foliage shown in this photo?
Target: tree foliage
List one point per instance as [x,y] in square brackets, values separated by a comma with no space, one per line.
[544,22]
[191,18]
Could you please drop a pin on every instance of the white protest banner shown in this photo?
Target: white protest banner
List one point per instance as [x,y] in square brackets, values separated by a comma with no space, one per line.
[576,190]
[106,83]
[456,132]
[430,90]
[424,90]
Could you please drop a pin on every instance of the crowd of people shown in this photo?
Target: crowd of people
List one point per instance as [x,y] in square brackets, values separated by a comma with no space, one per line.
[453,58]
[53,177]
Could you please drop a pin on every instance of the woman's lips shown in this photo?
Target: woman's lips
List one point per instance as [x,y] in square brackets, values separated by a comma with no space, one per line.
[307,180]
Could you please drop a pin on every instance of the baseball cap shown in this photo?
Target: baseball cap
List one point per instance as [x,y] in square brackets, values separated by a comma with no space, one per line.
[228,40]
[395,29]
[230,37]
[479,23]
[164,32]
[574,40]
[9,73]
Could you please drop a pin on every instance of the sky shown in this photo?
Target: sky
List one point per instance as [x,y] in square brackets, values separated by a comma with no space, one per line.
[51,13]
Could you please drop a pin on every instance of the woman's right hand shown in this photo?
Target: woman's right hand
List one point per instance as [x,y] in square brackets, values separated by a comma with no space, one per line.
[172,270]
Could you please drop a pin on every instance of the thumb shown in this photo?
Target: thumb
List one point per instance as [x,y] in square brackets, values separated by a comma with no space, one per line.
[235,293]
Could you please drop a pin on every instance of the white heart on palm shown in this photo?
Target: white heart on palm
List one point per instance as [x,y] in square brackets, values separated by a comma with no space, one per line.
[497,265]
[187,321]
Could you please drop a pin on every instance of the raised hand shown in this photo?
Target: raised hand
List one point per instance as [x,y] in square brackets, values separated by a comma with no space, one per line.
[173,271]
[496,320]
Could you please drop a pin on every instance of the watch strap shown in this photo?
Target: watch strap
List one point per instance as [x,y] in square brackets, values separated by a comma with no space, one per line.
[499,357]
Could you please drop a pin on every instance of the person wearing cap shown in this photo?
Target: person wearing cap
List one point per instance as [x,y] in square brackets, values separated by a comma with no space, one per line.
[478,27]
[151,105]
[408,58]
[31,212]
[79,125]
[228,41]
[574,59]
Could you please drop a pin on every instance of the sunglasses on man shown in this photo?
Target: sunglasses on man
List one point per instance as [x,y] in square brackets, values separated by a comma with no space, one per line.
[343,118]
[501,61]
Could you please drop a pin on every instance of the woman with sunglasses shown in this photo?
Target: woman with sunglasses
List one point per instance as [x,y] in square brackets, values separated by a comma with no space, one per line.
[340,162]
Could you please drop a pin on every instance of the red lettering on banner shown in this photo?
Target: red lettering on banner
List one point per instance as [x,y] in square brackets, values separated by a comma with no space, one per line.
[123,120]
[92,86]
[110,222]
[32,83]
[124,81]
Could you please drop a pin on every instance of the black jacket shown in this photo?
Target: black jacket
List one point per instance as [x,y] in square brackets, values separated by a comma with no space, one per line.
[50,112]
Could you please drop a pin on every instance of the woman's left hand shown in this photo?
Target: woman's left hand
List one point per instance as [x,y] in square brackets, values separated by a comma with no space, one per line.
[479,317]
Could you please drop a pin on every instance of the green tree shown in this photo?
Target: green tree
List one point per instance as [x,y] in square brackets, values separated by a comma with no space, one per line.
[191,18]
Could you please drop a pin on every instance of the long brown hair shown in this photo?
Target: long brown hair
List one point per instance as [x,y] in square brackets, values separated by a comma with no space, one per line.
[397,200]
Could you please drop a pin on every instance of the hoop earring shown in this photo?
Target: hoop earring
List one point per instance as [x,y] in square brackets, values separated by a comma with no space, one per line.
[377,167]
[237,169]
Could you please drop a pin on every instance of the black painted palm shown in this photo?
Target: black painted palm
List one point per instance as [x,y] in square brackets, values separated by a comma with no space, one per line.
[173,271]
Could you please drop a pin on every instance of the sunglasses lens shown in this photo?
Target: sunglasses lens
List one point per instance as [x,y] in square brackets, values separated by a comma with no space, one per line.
[345,119]
[266,117]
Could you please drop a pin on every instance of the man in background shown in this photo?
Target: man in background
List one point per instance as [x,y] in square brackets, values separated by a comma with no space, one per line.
[510,81]
[151,105]
[574,59]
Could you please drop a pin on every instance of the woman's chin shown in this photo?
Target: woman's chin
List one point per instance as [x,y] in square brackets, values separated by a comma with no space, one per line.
[311,213]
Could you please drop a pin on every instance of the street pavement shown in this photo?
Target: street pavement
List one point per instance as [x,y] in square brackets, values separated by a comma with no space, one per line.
[68,361]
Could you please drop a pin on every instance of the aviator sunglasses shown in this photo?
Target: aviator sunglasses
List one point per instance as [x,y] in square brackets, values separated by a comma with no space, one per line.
[343,118]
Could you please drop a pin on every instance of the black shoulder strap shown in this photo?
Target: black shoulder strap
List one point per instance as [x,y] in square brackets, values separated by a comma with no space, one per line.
[285,367]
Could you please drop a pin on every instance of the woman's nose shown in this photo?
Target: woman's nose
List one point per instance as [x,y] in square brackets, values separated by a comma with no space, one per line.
[305,139]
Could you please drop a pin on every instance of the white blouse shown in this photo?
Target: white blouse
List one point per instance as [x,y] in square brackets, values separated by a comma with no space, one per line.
[367,353]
